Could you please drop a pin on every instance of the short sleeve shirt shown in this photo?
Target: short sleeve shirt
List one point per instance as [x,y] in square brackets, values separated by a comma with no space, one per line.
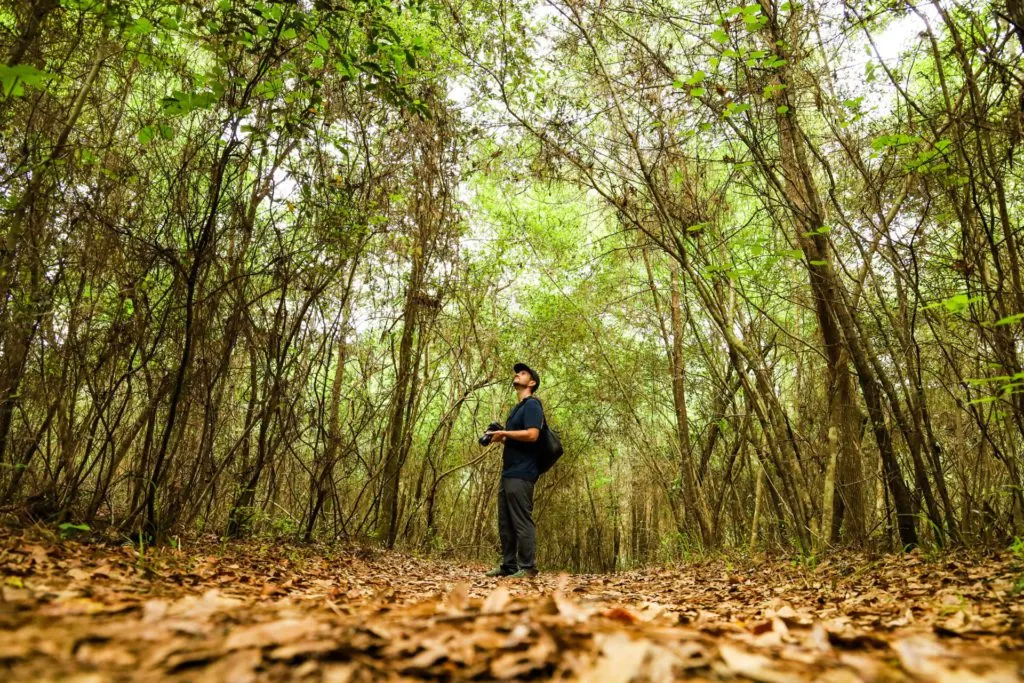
[519,459]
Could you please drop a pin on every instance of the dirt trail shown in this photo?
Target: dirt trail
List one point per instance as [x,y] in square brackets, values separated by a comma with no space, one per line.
[255,612]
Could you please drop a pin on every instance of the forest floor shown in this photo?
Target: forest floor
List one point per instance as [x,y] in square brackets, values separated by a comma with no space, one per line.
[264,611]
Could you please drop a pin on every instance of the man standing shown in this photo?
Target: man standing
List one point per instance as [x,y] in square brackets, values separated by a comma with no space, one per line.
[518,475]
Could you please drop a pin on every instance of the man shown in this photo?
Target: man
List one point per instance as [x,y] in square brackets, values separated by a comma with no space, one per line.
[518,475]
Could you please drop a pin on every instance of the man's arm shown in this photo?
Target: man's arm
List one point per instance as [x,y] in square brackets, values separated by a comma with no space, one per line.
[533,418]
[527,435]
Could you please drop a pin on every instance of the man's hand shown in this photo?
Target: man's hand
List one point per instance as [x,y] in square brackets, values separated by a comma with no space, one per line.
[498,436]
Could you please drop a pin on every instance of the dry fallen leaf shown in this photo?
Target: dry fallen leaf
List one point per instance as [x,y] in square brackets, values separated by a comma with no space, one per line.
[496,601]
[271,633]
[621,659]
[295,615]
[568,609]
[517,664]
[78,574]
[753,666]
[621,614]
[457,599]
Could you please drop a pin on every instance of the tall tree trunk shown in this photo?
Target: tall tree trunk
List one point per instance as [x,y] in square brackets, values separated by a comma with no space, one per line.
[387,528]
[689,485]
[805,203]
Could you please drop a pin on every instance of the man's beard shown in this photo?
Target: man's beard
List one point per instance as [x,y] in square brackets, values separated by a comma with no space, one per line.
[517,385]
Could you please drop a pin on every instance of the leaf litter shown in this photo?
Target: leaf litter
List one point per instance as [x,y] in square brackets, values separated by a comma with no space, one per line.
[247,611]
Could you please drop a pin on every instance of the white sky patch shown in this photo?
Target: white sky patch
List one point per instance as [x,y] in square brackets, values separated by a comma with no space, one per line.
[889,46]
[902,34]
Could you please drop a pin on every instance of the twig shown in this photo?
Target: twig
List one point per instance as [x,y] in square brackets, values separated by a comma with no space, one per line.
[475,615]
[334,608]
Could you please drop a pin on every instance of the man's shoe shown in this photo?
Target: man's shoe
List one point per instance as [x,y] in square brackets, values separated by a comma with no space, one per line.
[524,574]
[498,571]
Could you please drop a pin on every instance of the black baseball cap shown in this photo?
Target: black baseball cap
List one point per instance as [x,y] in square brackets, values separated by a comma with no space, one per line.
[519,367]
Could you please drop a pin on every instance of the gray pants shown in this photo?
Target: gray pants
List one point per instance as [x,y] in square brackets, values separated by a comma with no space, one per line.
[515,525]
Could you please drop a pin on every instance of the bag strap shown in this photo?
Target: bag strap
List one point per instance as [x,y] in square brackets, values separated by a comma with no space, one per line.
[543,416]
[522,403]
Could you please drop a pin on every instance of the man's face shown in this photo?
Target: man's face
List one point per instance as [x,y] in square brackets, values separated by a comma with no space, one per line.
[522,379]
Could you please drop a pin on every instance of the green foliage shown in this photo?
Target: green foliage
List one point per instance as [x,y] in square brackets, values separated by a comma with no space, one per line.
[218,251]
[808,561]
[1010,319]
[15,78]
[897,140]
[956,304]
[70,530]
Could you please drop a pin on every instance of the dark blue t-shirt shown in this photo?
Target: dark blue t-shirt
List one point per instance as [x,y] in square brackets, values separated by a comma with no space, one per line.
[519,459]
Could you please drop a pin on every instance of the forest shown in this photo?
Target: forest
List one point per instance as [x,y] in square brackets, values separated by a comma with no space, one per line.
[266,266]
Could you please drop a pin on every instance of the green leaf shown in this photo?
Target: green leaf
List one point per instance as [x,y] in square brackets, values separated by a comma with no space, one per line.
[696,78]
[181,103]
[782,109]
[14,78]
[987,380]
[146,134]
[720,36]
[734,108]
[141,27]
[957,303]
[897,140]
[1010,319]
[698,92]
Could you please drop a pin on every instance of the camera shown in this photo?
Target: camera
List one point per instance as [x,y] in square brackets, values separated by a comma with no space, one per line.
[485,440]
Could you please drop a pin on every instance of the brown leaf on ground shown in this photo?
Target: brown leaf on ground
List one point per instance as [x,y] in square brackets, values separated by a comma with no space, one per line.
[497,600]
[754,666]
[237,612]
[279,632]
[621,614]
[458,597]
